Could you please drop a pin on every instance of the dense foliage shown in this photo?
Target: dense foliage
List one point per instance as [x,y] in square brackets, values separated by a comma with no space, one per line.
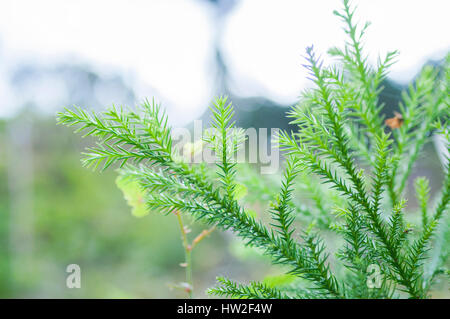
[343,148]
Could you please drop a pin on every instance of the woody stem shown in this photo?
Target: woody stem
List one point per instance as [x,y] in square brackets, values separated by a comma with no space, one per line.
[187,254]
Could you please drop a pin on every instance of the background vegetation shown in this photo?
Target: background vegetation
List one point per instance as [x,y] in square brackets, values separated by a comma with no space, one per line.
[54,212]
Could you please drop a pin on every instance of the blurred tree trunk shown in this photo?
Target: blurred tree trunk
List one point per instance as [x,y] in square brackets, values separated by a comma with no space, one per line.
[19,168]
[5,267]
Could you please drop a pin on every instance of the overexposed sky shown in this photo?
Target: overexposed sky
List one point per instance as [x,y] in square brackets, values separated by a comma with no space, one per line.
[266,39]
[167,45]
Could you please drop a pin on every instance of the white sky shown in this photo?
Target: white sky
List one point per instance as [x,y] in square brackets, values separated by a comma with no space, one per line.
[167,44]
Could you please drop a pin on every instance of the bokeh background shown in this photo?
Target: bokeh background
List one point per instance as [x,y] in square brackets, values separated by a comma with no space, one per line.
[97,53]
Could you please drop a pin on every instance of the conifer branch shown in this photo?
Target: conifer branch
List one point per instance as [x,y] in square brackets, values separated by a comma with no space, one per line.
[339,129]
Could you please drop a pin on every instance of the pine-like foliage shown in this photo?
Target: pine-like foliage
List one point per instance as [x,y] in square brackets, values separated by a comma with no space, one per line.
[342,139]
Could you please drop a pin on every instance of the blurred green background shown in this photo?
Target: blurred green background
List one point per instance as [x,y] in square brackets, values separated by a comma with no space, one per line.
[54,212]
